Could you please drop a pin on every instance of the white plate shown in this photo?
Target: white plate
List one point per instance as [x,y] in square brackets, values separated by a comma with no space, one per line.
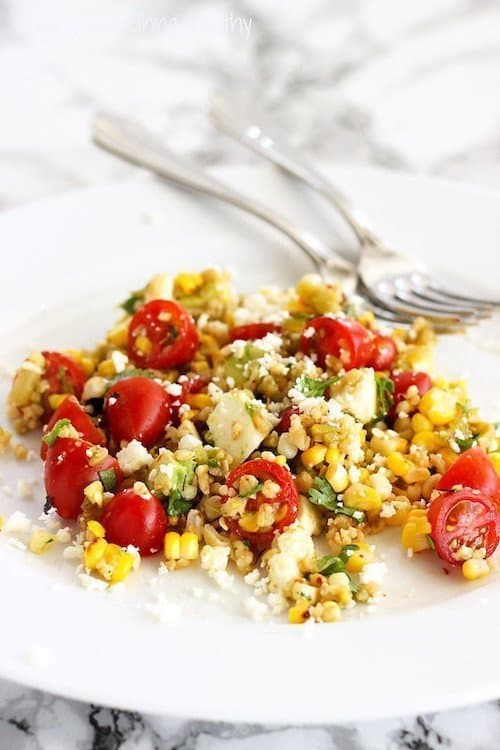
[431,645]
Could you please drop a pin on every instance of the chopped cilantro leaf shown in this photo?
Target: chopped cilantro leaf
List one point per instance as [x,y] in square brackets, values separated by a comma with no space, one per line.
[385,395]
[330,564]
[108,479]
[325,496]
[465,443]
[430,541]
[133,372]
[213,463]
[130,304]
[311,387]
[51,437]
[177,505]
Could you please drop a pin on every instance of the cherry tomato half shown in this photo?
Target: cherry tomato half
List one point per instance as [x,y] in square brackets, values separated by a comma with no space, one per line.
[167,332]
[384,352]
[287,500]
[68,471]
[188,384]
[403,381]
[286,419]
[71,409]
[464,517]
[131,519]
[137,408]
[472,469]
[253,331]
[344,338]
[64,375]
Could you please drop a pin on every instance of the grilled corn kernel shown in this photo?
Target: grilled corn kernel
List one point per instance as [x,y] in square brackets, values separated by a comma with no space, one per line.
[118,336]
[106,368]
[332,455]
[281,460]
[420,423]
[359,558]
[302,591]
[299,613]
[439,406]
[94,553]
[313,456]
[429,440]
[143,345]
[172,545]
[56,399]
[398,464]
[96,528]
[122,567]
[388,443]
[330,612]
[94,493]
[189,546]
[40,541]
[198,400]
[449,456]
[475,568]
[187,283]
[362,497]
[338,477]
[495,460]
[249,522]
[414,534]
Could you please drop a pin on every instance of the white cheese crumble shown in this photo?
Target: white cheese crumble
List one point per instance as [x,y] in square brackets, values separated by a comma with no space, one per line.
[133,457]
[189,443]
[164,611]
[120,361]
[373,573]
[25,488]
[257,610]
[90,583]
[18,523]
[174,389]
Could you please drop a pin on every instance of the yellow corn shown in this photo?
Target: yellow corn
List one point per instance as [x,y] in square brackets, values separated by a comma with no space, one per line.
[359,558]
[94,492]
[332,455]
[172,545]
[420,423]
[428,440]
[495,460]
[362,497]
[388,444]
[189,546]
[475,568]
[118,336]
[106,368]
[40,541]
[415,531]
[56,399]
[249,522]
[187,283]
[198,400]
[122,567]
[281,460]
[299,613]
[94,553]
[338,477]
[96,528]
[439,406]
[313,456]
[143,345]
[398,464]
[449,456]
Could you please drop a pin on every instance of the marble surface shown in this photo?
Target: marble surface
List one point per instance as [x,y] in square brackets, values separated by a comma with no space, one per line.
[406,85]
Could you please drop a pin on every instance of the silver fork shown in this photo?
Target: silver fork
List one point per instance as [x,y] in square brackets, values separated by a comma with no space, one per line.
[133,143]
[387,277]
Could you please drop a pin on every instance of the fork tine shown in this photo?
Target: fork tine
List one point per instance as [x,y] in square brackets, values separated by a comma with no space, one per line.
[425,282]
[385,295]
[426,293]
[429,306]
[486,303]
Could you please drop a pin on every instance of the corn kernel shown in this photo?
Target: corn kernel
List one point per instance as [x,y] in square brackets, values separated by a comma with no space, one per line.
[94,493]
[198,400]
[40,541]
[439,406]
[249,522]
[448,455]
[122,567]
[495,460]
[118,336]
[362,497]
[281,460]
[313,456]
[414,534]
[187,283]
[338,477]
[398,464]
[420,423]
[96,528]
[106,368]
[143,345]
[56,399]
[172,545]
[94,553]
[475,568]
[332,455]
[330,612]
[388,444]
[359,558]
[189,546]
[299,613]
[429,440]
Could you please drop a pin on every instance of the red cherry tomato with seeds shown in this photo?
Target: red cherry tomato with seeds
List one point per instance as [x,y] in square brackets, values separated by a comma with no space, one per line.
[137,408]
[68,471]
[404,380]
[286,418]
[170,335]
[71,409]
[252,331]
[287,500]
[63,374]
[343,338]
[188,384]
[384,352]
[464,517]
[472,469]
[131,519]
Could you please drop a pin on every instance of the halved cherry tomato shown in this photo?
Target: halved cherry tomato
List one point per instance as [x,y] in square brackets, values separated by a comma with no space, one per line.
[472,469]
[68,471]
[384,352]
[252,331]
[137,408]
[344,338]
[188,384]
[131,519]
[71,409]
[286,418]
[403,380]
[464,517]
[63,374]
[167,332]
[287,499]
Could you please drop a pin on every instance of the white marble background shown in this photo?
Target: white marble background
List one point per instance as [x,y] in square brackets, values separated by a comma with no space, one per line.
[410,85]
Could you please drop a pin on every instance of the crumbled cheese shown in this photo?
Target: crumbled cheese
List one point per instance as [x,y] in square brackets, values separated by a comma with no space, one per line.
[257,610]
[133,457]
[357,394]
[63,536]
[73,552]
[294,546]
[387,511]
[95,387]
[166,612]
[90,583]
[189,443]
[25,488]
[174,389]
[13,541]
[223,579]
[252,577]
[17,523]
[214,559]
[120,361]
[373,573]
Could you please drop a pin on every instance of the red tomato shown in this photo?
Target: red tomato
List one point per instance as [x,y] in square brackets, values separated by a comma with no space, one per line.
[81,421]
[63,373]
[253,331]
[286,418]
[131,519]
[171,333]
[472,469]
[67,472]
[463,517]
[287,499]
[188,384]
[403,380]
[384,352]
[137,408]
[344,338]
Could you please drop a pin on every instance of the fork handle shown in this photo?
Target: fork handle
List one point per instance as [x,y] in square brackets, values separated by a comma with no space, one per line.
[135,144]
[235,124]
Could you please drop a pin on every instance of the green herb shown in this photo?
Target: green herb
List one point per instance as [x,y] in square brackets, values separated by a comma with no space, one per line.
[325,496]
[465,443]
[108,479]
[258,487]
[213,463]
[177,505]
[344,555]
[51,437]
[48,504]
[430,541]
[311,387]
[385,395]
[250,407]
[351,310]
[130,304]
[300,316]
[353,586]
[330,564]
[132,373]
[182,476]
